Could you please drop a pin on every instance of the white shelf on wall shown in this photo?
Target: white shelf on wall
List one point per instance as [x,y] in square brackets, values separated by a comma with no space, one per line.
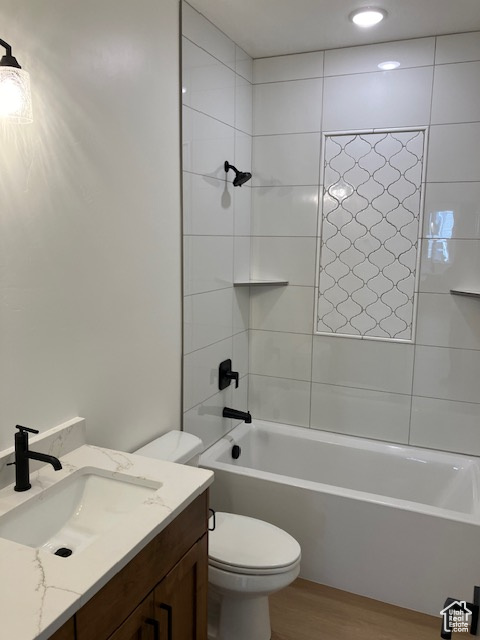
[465,292]
[255,282]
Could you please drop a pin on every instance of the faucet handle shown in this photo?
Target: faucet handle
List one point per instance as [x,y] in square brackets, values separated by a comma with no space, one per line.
[24,429]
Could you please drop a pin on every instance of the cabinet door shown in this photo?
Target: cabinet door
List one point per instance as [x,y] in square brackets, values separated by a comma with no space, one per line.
[140,625]
[181,597]
[67,632]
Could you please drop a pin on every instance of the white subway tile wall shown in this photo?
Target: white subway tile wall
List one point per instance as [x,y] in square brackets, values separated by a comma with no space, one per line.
[266,116]
[427,393]
[217,126]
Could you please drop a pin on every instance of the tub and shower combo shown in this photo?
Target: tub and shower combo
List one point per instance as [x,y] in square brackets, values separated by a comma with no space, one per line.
[394,523]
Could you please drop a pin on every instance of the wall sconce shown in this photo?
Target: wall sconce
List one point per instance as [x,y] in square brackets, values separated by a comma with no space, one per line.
[15,97]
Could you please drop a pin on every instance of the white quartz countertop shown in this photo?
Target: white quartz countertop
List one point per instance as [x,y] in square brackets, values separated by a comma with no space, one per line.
[40,591]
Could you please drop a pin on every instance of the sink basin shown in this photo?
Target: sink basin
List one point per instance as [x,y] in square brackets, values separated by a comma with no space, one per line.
[73,512]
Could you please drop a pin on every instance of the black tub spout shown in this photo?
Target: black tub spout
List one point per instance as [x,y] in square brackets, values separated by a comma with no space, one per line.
[237,415]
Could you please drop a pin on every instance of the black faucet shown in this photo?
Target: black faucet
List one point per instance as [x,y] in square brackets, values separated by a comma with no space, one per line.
[23,455]
[237,415]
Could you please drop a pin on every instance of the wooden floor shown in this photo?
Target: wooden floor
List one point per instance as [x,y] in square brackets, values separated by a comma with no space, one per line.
[309,611]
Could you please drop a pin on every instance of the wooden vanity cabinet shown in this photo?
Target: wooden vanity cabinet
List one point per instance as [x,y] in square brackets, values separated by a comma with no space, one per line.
[67,632]
[161,594]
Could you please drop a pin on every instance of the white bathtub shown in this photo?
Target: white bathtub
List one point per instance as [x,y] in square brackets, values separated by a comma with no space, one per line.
[395,523]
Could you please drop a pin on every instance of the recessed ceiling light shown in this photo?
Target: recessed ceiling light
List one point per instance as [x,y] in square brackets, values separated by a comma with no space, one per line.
[388,65]
[368,16]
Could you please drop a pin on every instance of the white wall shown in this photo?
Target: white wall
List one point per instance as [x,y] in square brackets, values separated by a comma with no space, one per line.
[90,309]
[217,126]
[425,393]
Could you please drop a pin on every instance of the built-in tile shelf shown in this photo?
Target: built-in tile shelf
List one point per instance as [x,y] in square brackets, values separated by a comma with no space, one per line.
[465,292]
[258,283]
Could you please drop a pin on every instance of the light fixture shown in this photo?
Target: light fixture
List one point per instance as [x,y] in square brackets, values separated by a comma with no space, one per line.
[388,65]
[15,98]
[367,16]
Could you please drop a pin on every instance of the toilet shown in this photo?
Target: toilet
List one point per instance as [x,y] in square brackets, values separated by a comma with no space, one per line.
[248,559]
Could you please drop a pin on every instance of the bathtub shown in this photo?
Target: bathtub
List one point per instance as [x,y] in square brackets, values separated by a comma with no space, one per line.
[394,523]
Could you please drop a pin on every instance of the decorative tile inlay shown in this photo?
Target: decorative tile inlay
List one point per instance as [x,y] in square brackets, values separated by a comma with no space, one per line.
[370,229]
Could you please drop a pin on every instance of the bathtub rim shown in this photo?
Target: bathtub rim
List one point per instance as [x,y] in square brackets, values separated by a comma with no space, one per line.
[209,460]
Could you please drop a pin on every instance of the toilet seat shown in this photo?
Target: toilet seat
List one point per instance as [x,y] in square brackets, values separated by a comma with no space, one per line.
[248,546]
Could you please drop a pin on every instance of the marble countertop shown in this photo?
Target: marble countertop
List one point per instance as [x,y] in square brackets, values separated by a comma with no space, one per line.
[40,591]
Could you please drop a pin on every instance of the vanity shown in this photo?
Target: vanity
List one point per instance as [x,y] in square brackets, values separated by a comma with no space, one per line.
[113,546]
[160,594]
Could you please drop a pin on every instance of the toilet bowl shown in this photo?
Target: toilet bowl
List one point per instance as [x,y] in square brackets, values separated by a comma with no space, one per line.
[248,559]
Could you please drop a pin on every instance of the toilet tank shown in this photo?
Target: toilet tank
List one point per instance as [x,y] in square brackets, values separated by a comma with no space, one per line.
[174,446]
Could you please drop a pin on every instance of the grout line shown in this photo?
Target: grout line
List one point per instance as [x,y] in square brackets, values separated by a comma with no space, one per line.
[356,46]
[234,335]
[392,393]
[225,124]
[199,404]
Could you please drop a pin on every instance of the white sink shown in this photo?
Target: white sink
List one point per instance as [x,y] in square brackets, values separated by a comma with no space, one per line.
[76,510]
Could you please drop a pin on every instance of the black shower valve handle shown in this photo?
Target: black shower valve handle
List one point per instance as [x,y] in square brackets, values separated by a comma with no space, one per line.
[226,375]
[233,375]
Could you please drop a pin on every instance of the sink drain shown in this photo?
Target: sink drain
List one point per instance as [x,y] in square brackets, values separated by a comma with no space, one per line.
[63,552]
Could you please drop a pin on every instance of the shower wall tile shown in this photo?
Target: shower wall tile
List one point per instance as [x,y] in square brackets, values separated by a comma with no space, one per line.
[242,209]
[282,355]
[242,258]
[239,396]
[283,258]
[240,353]
[448,321]
[209,318]
[449,264]
[243,64]
[207,263]
[452,210]
[456,93]
[282,309]
[410,53]
[241,309]
[284,211]
[288,107]
[286,160]
[201,373]
[243,107]
[207,84]
[243,156]
[460,47]
[442,424]
[280,400]
[293,67]
[206,144]
[366,364]
[377,100]
[359,412]
[205,34]
[207,205]
[449,374]
[454,153]
[217,126]
[206,421]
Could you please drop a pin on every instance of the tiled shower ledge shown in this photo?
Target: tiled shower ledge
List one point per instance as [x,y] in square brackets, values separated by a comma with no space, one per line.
[254,282]
[465,292]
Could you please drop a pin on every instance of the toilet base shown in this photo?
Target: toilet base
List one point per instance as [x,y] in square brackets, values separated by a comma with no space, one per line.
[238,618]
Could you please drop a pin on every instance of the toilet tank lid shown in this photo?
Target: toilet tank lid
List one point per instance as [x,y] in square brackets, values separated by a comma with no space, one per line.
[174,446]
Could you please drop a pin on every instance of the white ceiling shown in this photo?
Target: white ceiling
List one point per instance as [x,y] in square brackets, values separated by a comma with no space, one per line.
[275,27]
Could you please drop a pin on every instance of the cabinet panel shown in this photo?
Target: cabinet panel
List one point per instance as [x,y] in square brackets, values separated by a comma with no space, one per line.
[181,597]
[67,632]
[140,625]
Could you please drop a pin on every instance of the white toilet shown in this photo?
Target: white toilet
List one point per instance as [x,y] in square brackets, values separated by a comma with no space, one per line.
[248,559]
